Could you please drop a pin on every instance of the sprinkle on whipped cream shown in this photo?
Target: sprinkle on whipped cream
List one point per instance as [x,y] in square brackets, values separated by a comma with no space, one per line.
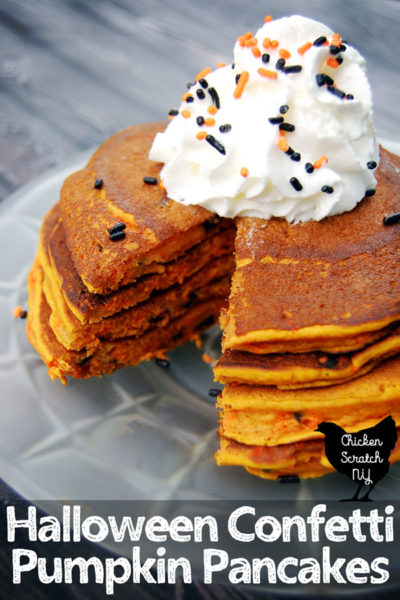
[285,131]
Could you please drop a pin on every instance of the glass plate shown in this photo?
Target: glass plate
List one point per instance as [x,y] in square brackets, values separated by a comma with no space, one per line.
[143,433]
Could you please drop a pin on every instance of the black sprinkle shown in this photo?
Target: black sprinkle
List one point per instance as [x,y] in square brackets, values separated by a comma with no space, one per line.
[327,189]
[336,91]
[215,144]
[288,479]
[200,94]
[233,65]
[309,167]
[117,235]
[319,41]
[391,219]
[342,48]
[275,120]
[98,184]
[173,112]
[296,184]
[280,63]
[117,227]
[334,50]
[289,151]
[371,164]
[214,97]
[213,392]
[162,362]
[349,97]
[203,83]
[283,109]
[24,314]
[200,121]
[296,156]
[297,416]
[292,69]
[286,127]
[190,84]
[237,77]
[339,59]
[189,99]
[150,180]
[225,128]
[370,193]
[323,78]
[265,58]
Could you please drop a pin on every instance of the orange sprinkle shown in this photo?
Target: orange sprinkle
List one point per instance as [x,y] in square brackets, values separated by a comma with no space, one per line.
[209,121]
[243,38]
[212,110]
[332,62]
[267,73]
[243,79]
[244,171]
[170,117]
[17,312]
[185,113]
[267,42]
[336,39]
[201,135]
[203,73]
[320,162]
[251,42]
[256,52]
[303,49]
[283,143]
[207,358]
[186,95]
[284,53]
[220,65]
[267,19]
[274,43]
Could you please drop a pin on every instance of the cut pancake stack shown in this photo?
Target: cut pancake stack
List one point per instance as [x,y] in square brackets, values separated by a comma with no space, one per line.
[312,334]
[96,303]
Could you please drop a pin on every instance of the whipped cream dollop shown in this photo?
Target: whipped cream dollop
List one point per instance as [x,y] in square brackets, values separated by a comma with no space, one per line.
[285,131]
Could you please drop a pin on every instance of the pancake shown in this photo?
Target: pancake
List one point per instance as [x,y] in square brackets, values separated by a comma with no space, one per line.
[115,354]
[158,230]
[320,280]
[312,369]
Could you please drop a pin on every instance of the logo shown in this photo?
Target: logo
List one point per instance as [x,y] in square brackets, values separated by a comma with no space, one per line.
[362,456]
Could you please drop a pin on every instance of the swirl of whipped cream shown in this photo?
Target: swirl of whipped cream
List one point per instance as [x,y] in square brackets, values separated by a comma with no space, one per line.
[285,131]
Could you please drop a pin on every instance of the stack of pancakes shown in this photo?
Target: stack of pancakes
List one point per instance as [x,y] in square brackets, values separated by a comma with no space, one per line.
[312,333]
[96,303]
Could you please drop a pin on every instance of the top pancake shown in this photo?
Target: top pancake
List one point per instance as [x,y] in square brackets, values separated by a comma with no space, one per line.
[335,278]
[156,230]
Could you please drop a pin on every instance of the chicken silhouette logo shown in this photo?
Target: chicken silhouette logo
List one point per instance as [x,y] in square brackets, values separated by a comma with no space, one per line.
[363,456]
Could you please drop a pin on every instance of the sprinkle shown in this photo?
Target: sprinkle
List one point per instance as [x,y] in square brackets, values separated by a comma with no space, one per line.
[280,63]
[286,127]
[371,164]
[283,144]
[213,392]
[336,39]
[267,19]
[24,314]
[150,180]
[292,69]
[202,73]
[335,91]
[233,65]
[201,135]
[244,171]
[162,362]
[319,41]
[117,235]
[173,112]
[214,96]
[284,53]
[296,156]
[237,77]
[243,38]
[203,83]
[275,120]
[200,94]
[339,60]
[190,84]
[349,97]
[303,49]
[283,109]
[185,113]
[215,144]
[225,128]
[212,110]
[267,42]
[187,95]
[240,85]
[265,58]
[327,189]
[370,193]
[267,73]
[17,312]
[98,184]
[332,62]
[309,167]
[335,50]
[320,162]
[289,151]
[296,184]
[288,479]
[200,121]
[391,219]
[209,121]
[323,78]
[220,65]
[274,43]
[256,52]
[250,42]
[117,227]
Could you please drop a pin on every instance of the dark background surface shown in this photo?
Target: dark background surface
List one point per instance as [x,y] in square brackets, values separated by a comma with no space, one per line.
[73,72]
